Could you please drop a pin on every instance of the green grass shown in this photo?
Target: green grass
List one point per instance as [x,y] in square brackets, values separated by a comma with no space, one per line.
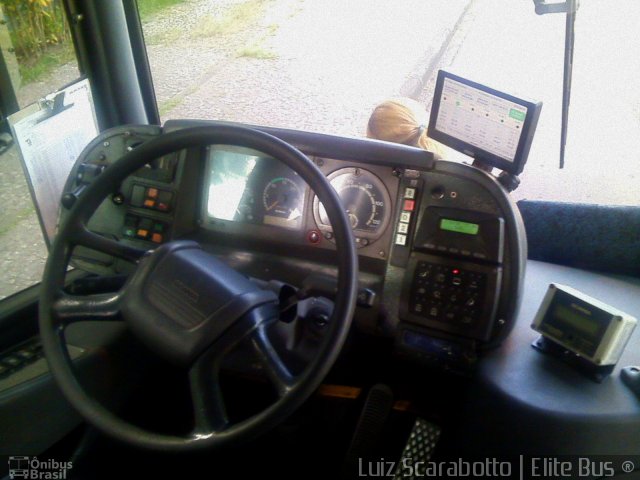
[256,51]
[53,57]
[168,105]
[149,7]
[167,36]
[233,20]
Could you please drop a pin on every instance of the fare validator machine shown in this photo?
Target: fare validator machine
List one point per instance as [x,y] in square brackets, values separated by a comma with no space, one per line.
[455,271]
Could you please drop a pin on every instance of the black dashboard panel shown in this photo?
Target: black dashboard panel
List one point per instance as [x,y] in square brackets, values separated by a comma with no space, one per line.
[441,245]
[451,229]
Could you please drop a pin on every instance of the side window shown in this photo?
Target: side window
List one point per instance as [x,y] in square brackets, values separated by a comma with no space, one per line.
[36,58]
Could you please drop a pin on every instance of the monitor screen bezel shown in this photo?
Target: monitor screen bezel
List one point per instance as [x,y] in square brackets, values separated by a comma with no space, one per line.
[526,137]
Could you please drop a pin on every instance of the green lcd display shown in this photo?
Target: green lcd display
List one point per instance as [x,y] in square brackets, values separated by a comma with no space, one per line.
[459,227]
[581,323]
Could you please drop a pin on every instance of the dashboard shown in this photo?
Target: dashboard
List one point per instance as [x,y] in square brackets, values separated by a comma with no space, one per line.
[441,245]
[442,254]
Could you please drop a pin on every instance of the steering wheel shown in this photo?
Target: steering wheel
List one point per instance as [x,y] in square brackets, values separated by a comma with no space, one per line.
[187,306]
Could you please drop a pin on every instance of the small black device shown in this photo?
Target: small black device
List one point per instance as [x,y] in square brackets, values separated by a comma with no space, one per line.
[493,127]
[594,332]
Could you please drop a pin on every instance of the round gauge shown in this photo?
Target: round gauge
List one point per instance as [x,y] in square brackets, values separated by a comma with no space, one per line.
[365,199]
[282,198]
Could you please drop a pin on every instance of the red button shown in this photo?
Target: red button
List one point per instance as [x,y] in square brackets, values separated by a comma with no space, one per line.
[409,205]
[156,238]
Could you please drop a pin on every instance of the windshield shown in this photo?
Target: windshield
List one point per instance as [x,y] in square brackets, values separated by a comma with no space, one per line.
[324,66]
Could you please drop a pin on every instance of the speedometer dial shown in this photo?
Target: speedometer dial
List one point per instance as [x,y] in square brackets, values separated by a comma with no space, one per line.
[282,201]
[365,199]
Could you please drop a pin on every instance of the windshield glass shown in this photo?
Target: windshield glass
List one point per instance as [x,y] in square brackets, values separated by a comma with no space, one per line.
[324,66]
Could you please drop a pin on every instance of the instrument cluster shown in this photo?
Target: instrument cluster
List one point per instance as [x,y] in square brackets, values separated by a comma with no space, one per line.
[245,186]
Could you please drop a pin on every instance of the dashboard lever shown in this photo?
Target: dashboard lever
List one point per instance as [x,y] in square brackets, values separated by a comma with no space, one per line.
[318,285]
[69,198]
[287,296]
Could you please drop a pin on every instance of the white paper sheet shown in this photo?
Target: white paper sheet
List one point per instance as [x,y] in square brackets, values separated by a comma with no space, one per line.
[50,142]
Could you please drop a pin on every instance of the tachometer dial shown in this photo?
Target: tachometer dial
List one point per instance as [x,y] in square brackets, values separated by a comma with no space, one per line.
[282,198]
[365,199]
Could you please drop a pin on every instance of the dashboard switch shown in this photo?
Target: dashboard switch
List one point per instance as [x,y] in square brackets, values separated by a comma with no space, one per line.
[164,201]
[366,297]
[137,196]
[410,193]
[405,217]
[313,236]
[401,239]
[409,205]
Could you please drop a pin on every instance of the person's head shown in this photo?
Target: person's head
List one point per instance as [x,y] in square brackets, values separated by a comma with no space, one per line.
[401,120]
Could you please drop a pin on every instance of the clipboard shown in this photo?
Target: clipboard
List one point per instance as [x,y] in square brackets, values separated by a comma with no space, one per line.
[50,135]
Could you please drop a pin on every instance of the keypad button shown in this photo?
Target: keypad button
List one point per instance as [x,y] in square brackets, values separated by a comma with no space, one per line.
[447,294]
[405,217]
[12,361]
[403,227]
[25,354]
[401,239]
[466,319]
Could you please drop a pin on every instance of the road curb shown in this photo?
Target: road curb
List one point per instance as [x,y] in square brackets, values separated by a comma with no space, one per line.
[422,72]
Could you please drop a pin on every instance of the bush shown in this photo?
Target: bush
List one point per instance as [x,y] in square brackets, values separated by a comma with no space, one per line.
[35,25]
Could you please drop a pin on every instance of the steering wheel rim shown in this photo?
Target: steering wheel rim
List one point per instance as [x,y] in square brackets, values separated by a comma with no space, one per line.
[73,232]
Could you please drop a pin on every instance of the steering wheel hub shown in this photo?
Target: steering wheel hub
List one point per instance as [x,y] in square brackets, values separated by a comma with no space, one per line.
[182,299]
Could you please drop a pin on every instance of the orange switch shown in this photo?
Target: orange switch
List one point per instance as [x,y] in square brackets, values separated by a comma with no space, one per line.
[156,238]
[152,192]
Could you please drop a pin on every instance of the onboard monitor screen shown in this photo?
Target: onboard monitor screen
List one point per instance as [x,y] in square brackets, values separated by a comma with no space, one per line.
[488,125]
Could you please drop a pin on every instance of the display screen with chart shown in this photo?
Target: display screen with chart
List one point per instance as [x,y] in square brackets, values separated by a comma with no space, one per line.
[488,125]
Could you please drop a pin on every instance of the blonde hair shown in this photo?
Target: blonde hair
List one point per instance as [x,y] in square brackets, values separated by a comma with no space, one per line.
[401,120]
